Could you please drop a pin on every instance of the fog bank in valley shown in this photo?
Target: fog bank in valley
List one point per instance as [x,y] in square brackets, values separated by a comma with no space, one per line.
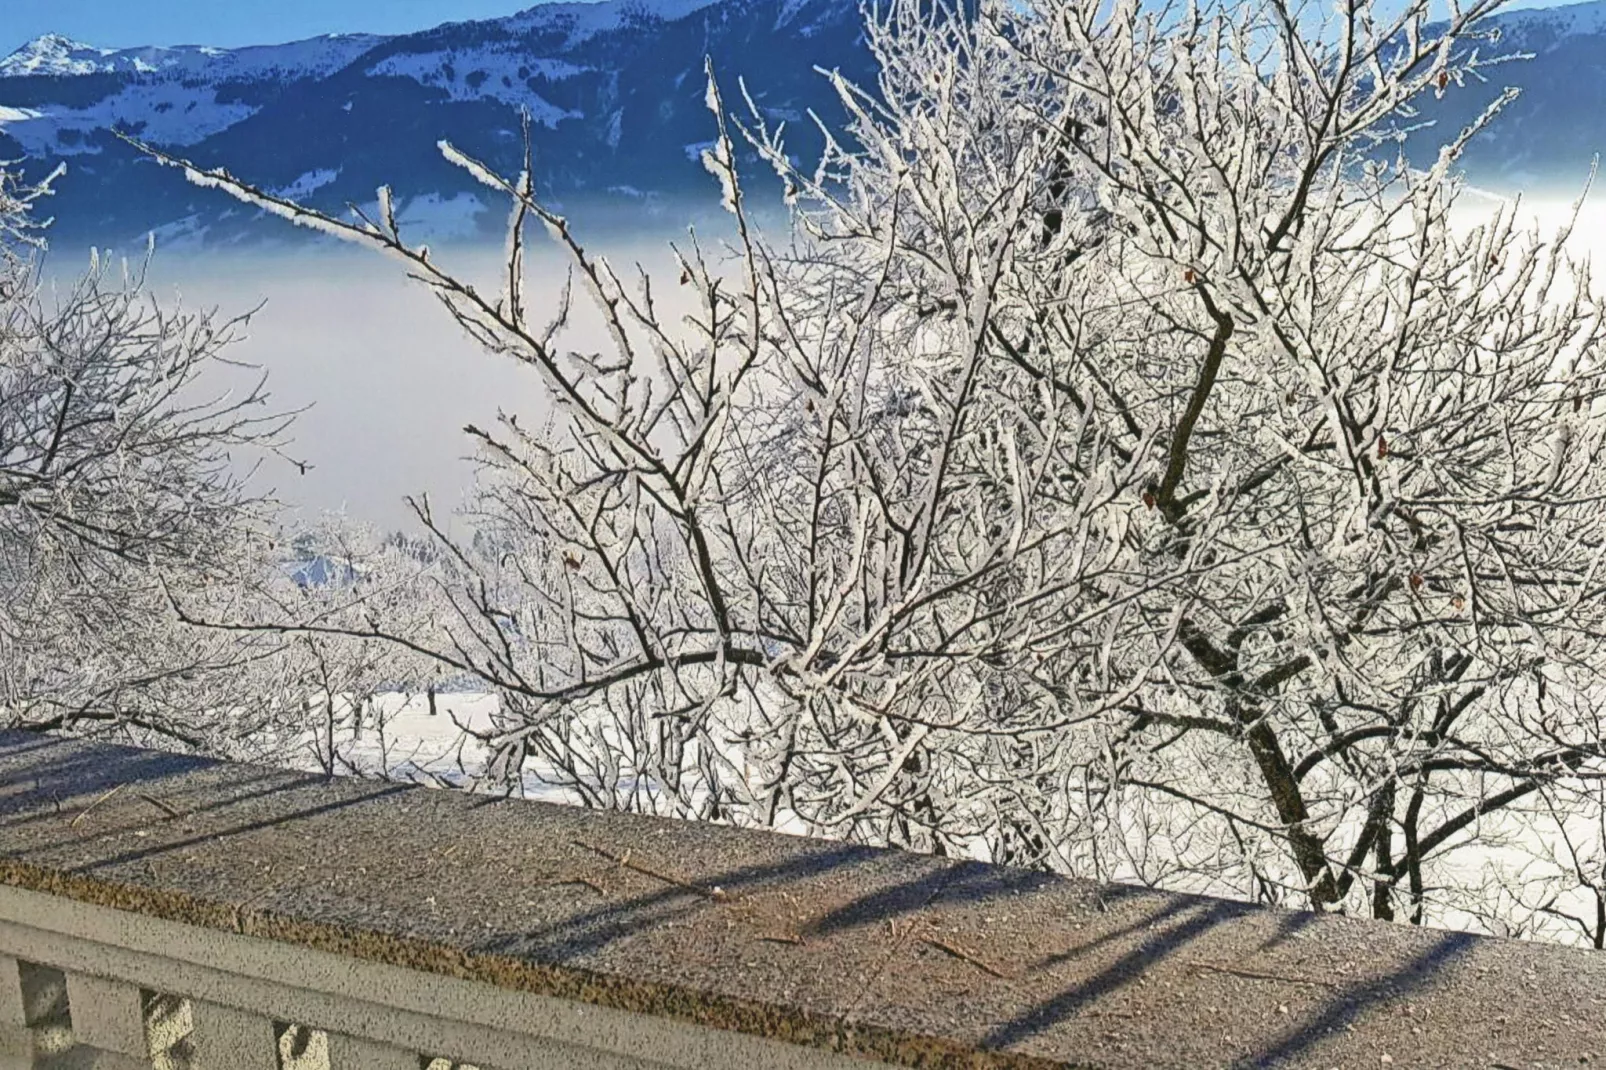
[387,379]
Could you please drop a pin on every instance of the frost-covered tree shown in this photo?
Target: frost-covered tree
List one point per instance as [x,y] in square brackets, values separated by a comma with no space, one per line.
[325,694]
[1126,467]
[116,490]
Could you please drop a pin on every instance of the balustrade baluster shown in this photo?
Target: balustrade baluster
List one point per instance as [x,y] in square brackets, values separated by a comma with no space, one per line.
[225,1038]
[30,995]
[107,1016]
[359,1053]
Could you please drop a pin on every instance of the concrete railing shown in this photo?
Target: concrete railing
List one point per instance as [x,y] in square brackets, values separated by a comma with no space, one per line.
[163,911]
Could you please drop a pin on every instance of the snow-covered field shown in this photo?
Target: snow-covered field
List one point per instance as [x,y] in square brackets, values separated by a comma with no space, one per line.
[407,737]
[410,737]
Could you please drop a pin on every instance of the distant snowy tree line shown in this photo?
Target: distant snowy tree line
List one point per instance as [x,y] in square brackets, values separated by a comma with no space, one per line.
[119,501]
[1121,466]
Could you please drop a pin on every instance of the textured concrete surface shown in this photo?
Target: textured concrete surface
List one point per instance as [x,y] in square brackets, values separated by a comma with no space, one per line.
[912,960]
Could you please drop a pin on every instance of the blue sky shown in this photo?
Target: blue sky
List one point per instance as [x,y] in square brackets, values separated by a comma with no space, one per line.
[228,23]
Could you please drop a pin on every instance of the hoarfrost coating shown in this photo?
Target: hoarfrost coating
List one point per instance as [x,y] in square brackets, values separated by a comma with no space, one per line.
[1124,467]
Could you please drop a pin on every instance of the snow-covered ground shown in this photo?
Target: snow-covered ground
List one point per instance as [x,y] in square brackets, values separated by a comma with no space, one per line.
[407,737]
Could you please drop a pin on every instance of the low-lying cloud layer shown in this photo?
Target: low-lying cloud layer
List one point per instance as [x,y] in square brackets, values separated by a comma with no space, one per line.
[388,380]
[385,376]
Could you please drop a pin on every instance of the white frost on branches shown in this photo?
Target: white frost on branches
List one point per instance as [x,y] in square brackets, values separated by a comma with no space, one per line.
[126,435]
[1125,468]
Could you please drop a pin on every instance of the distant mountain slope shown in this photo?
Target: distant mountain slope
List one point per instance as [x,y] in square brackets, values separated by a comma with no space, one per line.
[54,55]
[613,91]
[1542,142]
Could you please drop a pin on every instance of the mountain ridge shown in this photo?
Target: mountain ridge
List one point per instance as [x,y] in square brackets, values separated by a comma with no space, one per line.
[613,92]
[55,55]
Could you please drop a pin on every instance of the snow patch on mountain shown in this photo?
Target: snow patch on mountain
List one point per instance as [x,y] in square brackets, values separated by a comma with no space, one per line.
[789,11]
[432,217]
[314,57]
[181,234]
[54,54]
[553,70]
[308,184]
[441,218]
[162,112]
[584,20]
[481,73]
[359,125]
[1573,19]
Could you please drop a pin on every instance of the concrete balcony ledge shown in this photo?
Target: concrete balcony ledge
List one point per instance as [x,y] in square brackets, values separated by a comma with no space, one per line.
[289,917]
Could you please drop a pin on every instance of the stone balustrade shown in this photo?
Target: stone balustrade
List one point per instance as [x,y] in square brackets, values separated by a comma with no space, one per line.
[173,912]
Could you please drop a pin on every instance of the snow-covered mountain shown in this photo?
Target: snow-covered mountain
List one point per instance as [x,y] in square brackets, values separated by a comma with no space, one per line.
[175,96]
[1543,141]
[613,91]
[614,94]
[55,55]
[56,94]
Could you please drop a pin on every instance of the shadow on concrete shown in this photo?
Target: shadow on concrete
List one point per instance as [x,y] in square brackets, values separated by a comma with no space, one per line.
[1289,926]
[1352,1001]
[271,820]
[61,771]
[58,770]
[1169,908]
[1180,923]
[593,930]
[934,883]
[47,778]
[1189,920]
[952,883]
